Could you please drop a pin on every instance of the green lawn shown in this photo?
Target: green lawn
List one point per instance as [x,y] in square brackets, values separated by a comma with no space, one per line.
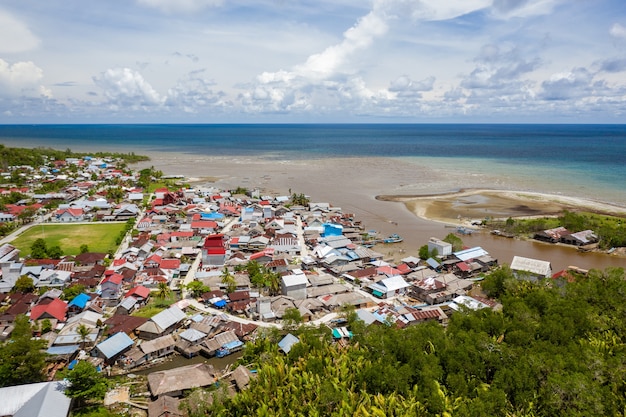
[99,237]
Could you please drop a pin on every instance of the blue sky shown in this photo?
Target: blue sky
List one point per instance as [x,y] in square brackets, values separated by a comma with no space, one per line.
[238,61]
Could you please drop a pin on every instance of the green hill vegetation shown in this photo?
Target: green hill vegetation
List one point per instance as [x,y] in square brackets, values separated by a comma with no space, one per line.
[556,348]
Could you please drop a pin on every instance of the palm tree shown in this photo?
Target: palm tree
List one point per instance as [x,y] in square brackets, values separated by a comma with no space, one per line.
[228,280]
[163,290]
[83,331]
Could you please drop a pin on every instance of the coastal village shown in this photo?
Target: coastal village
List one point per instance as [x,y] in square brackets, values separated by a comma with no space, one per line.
[235,263]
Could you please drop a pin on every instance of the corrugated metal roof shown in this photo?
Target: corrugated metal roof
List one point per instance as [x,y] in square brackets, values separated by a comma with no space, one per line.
[115,345]
[35,400]
[168,317]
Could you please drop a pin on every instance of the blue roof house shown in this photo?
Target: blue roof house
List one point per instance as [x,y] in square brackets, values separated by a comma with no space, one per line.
[114,346]
[80,301]
[287,343]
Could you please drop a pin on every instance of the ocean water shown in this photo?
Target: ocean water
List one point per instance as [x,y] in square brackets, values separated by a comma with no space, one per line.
[578,160]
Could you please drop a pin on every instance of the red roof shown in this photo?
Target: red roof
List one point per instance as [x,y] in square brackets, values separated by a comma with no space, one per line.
[115,279]
[215,251]
[214,241]
[182,234]
[203,224]
[264,203]
[138,291]
[74,212]
[55,308]
[463,266]
[196,217]
[404,269]
[170,264]
[119,262]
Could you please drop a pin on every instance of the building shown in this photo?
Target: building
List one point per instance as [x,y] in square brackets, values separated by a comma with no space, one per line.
[443,248]
[530,269]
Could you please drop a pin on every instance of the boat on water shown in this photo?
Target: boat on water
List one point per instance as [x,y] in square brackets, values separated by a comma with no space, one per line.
[229,348]
[393,239]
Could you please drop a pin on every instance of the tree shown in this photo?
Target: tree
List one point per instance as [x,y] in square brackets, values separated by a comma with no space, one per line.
[292,319]
[21,359]
[83,332]
[55,252]
[39,249]
[163,290]
[197,288]
[455,241]
[84,248]
[26,215]
[85,383]
[423,252]
[24,284]
[229,280]
[70,292]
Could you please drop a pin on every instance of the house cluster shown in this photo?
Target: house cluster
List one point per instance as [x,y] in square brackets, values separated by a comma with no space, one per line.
[562,235]
[77,179]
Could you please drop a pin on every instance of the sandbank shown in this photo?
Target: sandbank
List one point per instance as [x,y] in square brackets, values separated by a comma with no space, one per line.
[467,206]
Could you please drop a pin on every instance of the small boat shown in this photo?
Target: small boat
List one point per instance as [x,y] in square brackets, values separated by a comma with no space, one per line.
[393,239]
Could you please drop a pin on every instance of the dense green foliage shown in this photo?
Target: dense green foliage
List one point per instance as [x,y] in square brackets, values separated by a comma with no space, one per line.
[35,157]
[455,241]
[555,348]
[21,358]
[85,383]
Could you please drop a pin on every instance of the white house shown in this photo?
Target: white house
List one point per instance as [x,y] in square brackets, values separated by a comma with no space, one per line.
[530,269]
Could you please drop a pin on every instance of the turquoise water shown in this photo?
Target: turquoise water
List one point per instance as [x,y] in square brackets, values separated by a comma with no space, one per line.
[579,160]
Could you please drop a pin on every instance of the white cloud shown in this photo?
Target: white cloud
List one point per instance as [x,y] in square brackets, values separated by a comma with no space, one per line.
[194,95]
[15,36]
[618,31]
[568,85]
[180,6]
[523,8]
[124,87]
[21,79]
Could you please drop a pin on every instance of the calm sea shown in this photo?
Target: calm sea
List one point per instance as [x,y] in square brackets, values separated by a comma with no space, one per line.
[579,160]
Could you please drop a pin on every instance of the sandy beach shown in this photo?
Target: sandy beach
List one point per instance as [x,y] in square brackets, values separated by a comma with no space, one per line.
[388,195]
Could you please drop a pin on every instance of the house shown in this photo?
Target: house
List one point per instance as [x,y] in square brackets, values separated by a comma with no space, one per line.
[213,250]
[161,323]
[42,399]
[294,285]
[111,287]
[55,309]
[389,287]
[78,303]
[552,235]
[69,215]
[174,381]
[530,269]
[149,350]
[585,237]
[165,406]
[122,323]
[443,248]
[113,347]
[53,278]
[287,343]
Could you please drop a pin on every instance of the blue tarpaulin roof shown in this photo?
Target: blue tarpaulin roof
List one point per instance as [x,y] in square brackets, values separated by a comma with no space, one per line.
[219,303]
[80,301]
[212,216]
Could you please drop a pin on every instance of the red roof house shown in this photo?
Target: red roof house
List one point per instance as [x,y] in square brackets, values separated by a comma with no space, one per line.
[55,309]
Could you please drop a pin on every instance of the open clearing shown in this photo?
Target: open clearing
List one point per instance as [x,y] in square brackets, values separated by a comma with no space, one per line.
[99,237]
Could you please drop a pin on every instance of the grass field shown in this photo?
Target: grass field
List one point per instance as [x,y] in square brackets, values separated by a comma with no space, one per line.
[99,237]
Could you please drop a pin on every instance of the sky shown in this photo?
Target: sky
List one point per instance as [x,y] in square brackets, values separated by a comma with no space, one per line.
[322,61]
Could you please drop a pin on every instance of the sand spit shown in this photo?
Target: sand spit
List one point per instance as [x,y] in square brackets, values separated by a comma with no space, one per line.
[476,204]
